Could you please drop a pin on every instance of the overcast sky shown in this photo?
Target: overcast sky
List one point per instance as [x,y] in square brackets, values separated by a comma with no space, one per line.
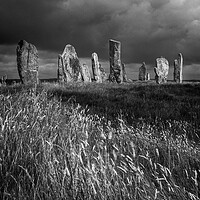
[147,29]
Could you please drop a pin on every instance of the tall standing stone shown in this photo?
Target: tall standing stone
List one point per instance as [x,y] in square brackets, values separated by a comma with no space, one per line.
[115,61]
[178,69]
[161,70]
[96,68]
[124,76]
[143,72]
[69,68]
[85,73]
[27,62]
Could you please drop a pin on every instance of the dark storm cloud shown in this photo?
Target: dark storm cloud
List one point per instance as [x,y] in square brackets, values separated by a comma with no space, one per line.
[25,19]
[146,28]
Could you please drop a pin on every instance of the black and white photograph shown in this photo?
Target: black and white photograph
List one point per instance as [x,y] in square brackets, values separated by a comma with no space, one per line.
[100,99]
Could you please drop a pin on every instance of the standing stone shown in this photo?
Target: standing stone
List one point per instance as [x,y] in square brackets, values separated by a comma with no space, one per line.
[69,68]
[27,62]
[85,73]
[96,68]
[124,76]
[161,70]
[4,79]
[148,77]
[143,72]
[115,61]
[103,74]
[178,69]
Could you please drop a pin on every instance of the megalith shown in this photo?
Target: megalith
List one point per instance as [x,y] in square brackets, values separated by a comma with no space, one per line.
[27,62]
[85,73]
[103,74]
[124,76]
[161,70]
[69,68]
[178,69]
[143,72]
[96,68]
[4,79]
[115,61]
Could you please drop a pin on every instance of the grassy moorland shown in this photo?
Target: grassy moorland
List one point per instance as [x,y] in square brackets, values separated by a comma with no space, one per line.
[100,141]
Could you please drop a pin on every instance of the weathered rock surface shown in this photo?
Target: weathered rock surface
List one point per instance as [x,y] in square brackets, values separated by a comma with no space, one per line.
[161,70]
[27,62]
[115,61]
[4,79]
[96,68]
[143,72]
[85,73]
[124,76]
[178,69]
[69,68]
[103,74]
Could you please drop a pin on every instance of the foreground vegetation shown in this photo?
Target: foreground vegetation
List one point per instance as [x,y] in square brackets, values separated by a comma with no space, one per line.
[100,142]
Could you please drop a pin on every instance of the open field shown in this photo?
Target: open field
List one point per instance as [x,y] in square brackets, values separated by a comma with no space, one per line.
[100,141]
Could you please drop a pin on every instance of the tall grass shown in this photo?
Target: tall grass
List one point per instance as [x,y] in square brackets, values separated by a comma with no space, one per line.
[51,150]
